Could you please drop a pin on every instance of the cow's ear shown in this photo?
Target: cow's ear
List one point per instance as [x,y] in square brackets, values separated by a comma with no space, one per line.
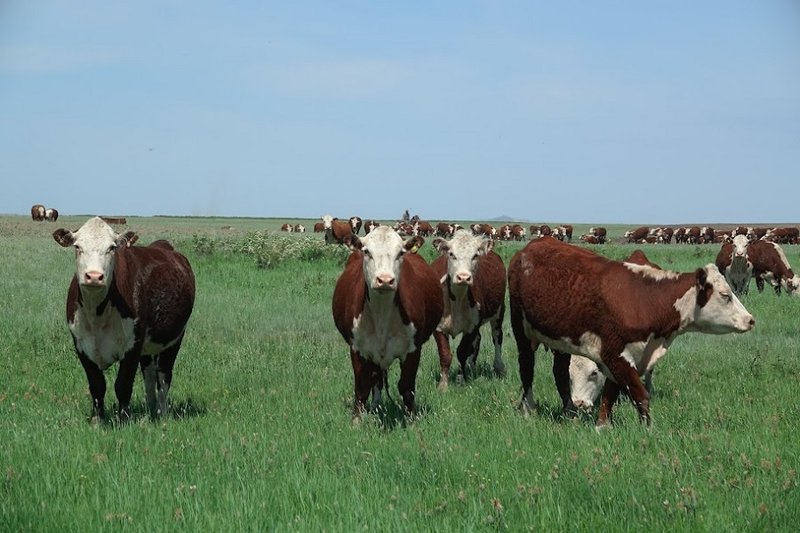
[352,241]
[126,239]
[64,237]
[414,243]
[704,289]
[487,246]
[441,245]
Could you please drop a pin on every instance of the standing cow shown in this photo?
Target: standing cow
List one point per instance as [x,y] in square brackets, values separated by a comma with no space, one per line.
[386,304]
[336,230]
[771,265]
[50,214]
[126,304]
[37,212]
[622,316]
[732,261]
[473,285]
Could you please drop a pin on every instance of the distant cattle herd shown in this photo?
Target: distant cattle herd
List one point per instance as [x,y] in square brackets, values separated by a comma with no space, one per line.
[389,301]
[40,213]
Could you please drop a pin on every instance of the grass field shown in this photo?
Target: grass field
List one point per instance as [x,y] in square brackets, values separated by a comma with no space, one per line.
[259,437]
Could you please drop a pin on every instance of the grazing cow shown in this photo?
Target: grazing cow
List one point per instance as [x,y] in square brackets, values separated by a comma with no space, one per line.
[595,236]
[336,230]
[620,315]
[754,234]
[319,227]
[590,239]
[50,214]
[128,304]
[370,225]
[299,228]
[732,261]
[355,224]
[693,235]
[473,285]
[443,229]
[37,212]
[783,235]
[771,265]
[638,234]
[566,231]
[287,227]
[517,232]
[586,380]
[115,220]
[680,236]
[423,228]
[386,304]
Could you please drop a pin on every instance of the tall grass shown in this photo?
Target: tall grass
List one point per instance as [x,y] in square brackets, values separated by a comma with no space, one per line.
[259,436]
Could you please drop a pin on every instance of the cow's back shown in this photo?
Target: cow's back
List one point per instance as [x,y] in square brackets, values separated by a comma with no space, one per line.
[420,296]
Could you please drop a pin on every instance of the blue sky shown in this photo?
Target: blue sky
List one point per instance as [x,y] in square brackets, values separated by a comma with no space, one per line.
[575,111]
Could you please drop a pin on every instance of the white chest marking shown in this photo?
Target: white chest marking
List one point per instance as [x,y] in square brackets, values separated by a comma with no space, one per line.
[379,334]
[103,339]
[458,316]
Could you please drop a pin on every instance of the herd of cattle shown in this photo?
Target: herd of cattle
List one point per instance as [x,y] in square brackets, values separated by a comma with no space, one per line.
[40,213]
[707,235]
[130,304]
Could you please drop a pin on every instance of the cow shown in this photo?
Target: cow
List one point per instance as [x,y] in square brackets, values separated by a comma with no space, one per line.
[595,236]
[517,232]
[782,235]
[299,228]
[287,227]
[126,304]
[693,235]
[37,212]
[443,229]
[680,236]
[355,224]
[386,305]
[620,315]
[370,225]
[473,285]
[586,380]
[336,230]
[50,214]
[732,261]
[423,228]
[566,231]
[319,227]
[118,220]
[638,234]
[771,265]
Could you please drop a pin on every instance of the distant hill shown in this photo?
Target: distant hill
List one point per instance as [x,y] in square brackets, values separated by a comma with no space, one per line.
[505,218]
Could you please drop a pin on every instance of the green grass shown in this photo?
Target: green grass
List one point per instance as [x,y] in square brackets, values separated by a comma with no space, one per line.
[260,438]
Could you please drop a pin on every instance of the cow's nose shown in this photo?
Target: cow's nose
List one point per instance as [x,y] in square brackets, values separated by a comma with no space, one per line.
[463,278]
[385,281]
[94,277]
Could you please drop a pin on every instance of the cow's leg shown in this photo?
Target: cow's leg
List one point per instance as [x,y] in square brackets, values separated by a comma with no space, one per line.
[526,349]
[760,283]
[362,373]
[497,339]
[467,351]
[408,381]
[123,385]
[607,400]
[561,362]
[445,358]
[97,387]
[165,362]
[150,375]
[627,379]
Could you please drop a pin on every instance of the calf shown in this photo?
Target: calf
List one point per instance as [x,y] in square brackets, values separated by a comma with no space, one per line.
[473,285]
[770,265]
[126,304]
[386,304]
[732,261]
[336,230]
[620,315]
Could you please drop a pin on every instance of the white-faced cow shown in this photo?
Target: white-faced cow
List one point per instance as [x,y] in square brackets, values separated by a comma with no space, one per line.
[386,304]
[732,261]
[299,228]
[370,225]
[50,214]
[336,230]
[37,212]
[355,224]
[620,315]
[473,285]
[287,227]
[771,265]
[126,304]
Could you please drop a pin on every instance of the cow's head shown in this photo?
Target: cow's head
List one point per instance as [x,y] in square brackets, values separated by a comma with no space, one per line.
[740,243]
[716,310]
[585,381]
[383,251]
[463,252]
[327,221]
[96,247]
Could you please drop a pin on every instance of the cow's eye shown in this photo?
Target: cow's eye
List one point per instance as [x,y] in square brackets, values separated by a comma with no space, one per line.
[366,252]
[452,255]
[726,296]
[111,249]
[78,249]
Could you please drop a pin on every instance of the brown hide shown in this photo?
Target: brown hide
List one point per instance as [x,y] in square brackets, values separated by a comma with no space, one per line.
[766,259]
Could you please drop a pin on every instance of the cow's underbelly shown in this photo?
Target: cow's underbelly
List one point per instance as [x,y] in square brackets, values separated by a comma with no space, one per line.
[381,336]
[459,316]
[104,339]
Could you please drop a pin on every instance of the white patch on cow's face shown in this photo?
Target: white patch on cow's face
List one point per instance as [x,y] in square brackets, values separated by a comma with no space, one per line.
[383,256]
[651,272]
[463,252]
[740,243]
[723,313]
[585,381]
[327,221]
[95,253]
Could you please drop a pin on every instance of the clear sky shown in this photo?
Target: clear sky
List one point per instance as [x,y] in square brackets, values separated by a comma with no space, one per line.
[575,111]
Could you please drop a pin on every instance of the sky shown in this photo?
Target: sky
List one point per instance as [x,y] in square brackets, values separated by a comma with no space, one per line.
[568,112]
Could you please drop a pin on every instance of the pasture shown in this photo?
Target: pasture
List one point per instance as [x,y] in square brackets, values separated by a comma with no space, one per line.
[259,434]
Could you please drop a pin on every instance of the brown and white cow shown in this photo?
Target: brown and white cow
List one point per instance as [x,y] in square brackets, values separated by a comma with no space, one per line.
[370,225]
[771,265]
[732,261]
[287,227]
[355,224]
[622,316]
[299,228]
[319,227]
[126,304]
[443,229]
[637,235]
[50,214]
[473,285]
[37,212]
[386,304]
[336,230]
